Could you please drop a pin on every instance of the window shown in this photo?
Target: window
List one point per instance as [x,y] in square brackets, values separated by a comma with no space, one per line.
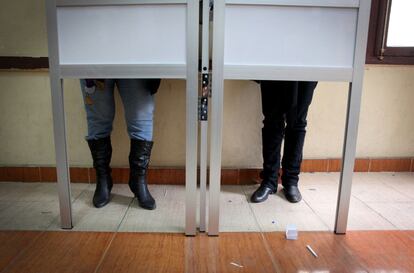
[391,35]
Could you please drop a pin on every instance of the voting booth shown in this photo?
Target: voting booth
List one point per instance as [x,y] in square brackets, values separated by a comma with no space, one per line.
[297,40]
[123,39]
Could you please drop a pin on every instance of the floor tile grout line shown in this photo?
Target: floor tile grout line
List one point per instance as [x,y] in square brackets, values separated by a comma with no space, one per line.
[397,190]
[72,202]
[411,236]
[385,184]
[320,218]
[125,214]
[351,254]
[251,210]
[56,218]
[376,212]
[105,252]
[264,240]
[24,250]
[112,239]
[272,258]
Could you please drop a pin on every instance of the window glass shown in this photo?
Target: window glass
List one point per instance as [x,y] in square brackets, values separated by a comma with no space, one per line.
[401,24]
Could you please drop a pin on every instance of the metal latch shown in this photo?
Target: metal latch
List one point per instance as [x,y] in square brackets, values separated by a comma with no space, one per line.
[203,100]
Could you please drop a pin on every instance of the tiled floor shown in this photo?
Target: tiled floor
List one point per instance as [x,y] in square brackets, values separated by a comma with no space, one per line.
[380,201]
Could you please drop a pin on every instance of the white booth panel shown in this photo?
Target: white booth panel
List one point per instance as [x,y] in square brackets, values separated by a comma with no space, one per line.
[280,36]
[156,34]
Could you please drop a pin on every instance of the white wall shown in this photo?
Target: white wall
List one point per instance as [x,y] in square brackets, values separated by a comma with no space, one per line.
[386,124]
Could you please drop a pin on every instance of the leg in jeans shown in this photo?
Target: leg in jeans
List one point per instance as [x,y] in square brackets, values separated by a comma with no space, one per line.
[295,134]
[136,95]
[100,111]
[139,107]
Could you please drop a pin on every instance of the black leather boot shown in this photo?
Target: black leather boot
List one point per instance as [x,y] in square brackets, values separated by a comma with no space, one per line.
[101,151]
[139,158]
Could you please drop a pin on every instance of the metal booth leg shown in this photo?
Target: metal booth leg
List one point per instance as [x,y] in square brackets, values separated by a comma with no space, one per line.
[58,111]
[191,118]
[203,113]
[62,166]
[348,158]
[351,127]
[216,118]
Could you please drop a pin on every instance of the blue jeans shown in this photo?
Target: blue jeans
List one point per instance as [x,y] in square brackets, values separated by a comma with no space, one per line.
[138,101]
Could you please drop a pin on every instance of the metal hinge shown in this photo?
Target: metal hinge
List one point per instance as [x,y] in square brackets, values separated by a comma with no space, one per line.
[203,100]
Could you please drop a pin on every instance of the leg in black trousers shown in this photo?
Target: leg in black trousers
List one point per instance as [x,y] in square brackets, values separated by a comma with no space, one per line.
[285,106]
[274,107]
[294,140]
[295,134]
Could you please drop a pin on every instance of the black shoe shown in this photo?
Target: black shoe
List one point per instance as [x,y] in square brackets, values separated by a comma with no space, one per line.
[101,151]
[292,193]
[139,158]
[261,194]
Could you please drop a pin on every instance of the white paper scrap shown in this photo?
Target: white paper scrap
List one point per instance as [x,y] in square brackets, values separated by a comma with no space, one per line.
[236,264]
[291,232]
[312,251]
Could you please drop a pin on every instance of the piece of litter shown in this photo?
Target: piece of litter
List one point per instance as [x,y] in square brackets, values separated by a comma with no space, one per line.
[312,189]
[165,193]
[273,222]
[312,251]
[291,232]
[230,201]
[46,212]
[236,264]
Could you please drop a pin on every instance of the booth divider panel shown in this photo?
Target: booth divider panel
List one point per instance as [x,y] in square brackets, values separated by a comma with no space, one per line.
[97,34]
[290,36]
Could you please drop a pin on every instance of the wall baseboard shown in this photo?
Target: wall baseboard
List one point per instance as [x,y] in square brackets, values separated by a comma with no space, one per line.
[176,176]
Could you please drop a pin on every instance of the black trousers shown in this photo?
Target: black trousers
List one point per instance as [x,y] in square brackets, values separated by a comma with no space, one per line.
[285,107]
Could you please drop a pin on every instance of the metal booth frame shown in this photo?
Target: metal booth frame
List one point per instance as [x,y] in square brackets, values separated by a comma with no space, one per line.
[353,75]
[220,72]
[59,71]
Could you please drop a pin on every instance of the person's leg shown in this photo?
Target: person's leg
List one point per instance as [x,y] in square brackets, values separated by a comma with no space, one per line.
[273,108]
[100,111]
[139,107]
[136,95]
[294,141]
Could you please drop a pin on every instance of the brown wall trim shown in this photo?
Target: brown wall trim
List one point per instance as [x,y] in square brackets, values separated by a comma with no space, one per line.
[23,62]
[15,62]
[176,176]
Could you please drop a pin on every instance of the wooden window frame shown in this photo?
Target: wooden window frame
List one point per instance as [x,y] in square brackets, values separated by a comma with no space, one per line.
[377,51]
